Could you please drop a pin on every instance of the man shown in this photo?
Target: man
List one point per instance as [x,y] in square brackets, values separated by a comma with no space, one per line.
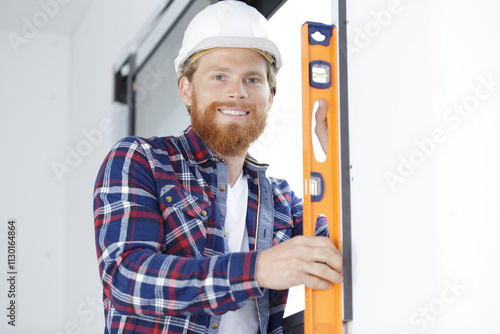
[191,235]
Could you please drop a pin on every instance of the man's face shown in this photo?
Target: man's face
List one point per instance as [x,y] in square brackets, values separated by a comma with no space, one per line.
[229,98]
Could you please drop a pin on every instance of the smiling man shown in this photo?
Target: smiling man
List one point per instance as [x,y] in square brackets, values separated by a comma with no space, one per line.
[191,235]
[229,103]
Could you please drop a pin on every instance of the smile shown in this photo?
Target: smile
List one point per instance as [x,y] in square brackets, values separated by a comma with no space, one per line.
[233,112]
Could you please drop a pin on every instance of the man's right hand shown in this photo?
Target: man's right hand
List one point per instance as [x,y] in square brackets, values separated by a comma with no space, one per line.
[312,261]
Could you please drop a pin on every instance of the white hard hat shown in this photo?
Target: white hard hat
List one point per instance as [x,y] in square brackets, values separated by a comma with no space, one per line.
[231,24]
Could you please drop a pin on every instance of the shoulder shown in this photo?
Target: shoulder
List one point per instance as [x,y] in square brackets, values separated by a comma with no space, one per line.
[282,193]
[135,143]
[151,154]
[280,184]
[149,148]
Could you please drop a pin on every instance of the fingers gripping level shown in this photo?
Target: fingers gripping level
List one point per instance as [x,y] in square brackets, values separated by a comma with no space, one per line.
[323,312]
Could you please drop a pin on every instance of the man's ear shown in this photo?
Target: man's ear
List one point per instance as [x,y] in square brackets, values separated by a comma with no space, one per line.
[270,100]
[185,91]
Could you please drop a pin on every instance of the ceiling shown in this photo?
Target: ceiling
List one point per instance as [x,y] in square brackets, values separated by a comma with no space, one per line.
[63,16]
[56,16]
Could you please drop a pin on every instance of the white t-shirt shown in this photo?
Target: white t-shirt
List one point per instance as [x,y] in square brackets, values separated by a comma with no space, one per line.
[244,320]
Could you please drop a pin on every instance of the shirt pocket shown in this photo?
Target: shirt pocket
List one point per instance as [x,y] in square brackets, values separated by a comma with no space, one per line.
[185,217]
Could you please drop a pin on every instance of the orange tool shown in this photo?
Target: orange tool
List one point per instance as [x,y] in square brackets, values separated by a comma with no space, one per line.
[322,195]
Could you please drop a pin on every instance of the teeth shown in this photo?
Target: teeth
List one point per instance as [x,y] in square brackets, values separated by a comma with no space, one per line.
[233,112]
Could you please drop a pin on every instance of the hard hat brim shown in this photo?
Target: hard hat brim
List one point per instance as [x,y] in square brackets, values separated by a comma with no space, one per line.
[231,42]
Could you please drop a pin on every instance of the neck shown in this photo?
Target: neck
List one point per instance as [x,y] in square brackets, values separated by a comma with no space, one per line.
[234,167]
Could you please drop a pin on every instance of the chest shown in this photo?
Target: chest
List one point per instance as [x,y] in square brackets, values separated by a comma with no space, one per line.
[195,204]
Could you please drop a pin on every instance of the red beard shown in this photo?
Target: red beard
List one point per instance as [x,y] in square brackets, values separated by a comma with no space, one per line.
[231,139]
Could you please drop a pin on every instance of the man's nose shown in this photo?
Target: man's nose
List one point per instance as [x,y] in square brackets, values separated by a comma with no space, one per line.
[236,90]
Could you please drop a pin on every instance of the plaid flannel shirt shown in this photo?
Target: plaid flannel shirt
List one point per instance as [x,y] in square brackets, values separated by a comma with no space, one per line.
[159,208]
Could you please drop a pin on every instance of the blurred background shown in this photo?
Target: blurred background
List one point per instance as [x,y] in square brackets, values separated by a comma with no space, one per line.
[424,102]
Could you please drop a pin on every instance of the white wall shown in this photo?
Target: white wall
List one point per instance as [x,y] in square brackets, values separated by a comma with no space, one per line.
[56,93]
[34,107]
[391,105]
[423,241]
[467,175]
[424,190]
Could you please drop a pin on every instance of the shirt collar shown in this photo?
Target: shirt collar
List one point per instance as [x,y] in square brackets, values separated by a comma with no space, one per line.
[196,151]
[254,165]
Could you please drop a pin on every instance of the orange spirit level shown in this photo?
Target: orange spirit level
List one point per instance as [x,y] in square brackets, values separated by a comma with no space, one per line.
[322,194]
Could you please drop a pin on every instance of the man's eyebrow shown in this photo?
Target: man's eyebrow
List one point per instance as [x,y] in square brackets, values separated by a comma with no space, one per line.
[229,70]
[255,73]
[219,69]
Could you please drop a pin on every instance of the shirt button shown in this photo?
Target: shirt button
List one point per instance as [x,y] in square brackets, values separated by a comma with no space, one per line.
[222,188]
[215,325]
[203,213]
[168,199]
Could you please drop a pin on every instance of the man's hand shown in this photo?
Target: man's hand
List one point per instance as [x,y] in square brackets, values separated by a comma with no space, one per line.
[321,128]
[313,261]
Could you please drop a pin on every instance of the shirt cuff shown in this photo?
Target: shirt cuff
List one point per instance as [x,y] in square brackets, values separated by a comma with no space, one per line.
[242,278]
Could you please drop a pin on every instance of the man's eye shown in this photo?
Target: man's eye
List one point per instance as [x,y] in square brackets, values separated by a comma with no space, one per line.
[253,80]
[218,77]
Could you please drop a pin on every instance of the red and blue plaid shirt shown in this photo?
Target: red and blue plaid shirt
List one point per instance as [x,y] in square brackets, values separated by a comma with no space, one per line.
[159,207]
